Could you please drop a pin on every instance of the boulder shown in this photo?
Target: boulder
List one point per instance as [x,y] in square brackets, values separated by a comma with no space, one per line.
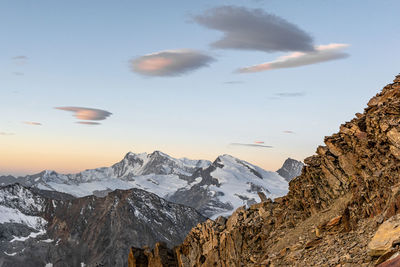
[385,236]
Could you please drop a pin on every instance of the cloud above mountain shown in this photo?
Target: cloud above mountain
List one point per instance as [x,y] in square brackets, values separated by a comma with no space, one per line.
[90,114]
[254,29]
[250,145]
[170,62]
[322,53]
[34,123]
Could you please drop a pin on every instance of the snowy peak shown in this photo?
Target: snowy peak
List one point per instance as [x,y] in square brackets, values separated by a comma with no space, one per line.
[157,163]
[227,184]
[291,168]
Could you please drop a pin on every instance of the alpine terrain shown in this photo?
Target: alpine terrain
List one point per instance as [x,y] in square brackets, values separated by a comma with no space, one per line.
[343,210]
[40,227]
[213,188]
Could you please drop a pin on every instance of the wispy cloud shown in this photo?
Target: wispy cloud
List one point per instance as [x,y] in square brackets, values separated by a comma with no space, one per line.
[90,114]
[291,94]
[18,73]
[288,132]
[250,145]
[322,53]
[254,29]
[34,123]
[88,122]
[170,62]
[5,133]
[233,82]
[20,58]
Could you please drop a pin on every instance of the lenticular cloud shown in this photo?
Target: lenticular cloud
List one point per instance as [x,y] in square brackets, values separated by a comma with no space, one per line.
[170,62]
[87,114]
[322,53]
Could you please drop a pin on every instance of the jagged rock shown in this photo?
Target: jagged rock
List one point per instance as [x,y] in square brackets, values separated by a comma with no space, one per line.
[387,234]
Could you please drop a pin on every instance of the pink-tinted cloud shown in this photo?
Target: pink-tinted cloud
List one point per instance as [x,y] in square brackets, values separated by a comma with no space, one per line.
[322,53]
[288,132]
[170,62]
[91,114]
[259,142]
[154,63]
[34,123]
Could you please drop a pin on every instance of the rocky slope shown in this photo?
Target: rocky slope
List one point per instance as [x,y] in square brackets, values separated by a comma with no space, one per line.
[212,188]
[331,214]
[39,227]
[291,169]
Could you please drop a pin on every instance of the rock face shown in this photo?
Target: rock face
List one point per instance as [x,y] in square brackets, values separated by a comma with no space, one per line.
[39,227]
[332,210]
[214,189]
[291,168]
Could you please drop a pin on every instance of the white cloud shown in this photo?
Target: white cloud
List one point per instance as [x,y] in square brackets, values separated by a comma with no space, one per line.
[322,53]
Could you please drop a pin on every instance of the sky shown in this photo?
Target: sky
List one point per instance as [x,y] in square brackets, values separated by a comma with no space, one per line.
[84,82]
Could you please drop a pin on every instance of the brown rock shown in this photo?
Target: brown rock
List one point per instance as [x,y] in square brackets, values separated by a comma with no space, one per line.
[395,262]
[387,233]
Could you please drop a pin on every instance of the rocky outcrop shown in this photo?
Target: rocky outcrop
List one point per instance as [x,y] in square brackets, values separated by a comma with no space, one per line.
[332,210]
[290,169]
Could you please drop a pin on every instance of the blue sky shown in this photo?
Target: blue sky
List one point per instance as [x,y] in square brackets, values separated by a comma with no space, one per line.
[80,53]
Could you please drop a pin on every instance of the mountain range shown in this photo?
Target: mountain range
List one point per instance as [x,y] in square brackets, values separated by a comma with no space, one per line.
[213,188]
[91,218]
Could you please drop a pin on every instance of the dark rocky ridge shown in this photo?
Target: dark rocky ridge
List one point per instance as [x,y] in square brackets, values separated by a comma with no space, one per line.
[95,231]
[332,209]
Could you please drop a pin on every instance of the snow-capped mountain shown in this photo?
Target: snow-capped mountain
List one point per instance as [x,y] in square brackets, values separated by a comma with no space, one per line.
[290,169]
[227,184]
[213,188]
[39,227]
